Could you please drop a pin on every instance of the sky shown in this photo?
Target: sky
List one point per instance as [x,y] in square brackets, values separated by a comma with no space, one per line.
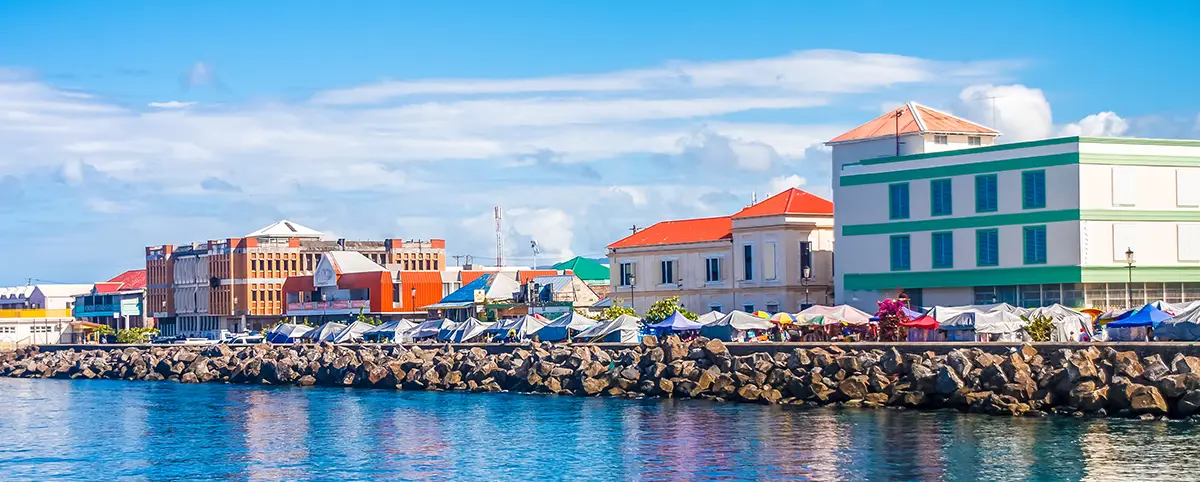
[141,123]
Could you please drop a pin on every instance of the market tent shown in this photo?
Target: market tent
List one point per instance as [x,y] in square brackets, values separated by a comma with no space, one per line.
[324,332]
[1069,325]
[921,328]
[426,330]
[978,326]
[352,333]
[677,322]
[286,333]
[523,327]
[1016,310]
[468,331]
[447,329]
[733,325]
[925,322]
[710,317]
[1182,327]
[622,329]
[1111,315]
[1142,317]
[390,332]
[565,327]
[830,315]
[943,314]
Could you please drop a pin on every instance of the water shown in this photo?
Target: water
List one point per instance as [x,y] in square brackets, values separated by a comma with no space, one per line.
[105,430]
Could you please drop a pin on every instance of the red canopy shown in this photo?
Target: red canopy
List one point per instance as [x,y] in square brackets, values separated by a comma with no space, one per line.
[925,321]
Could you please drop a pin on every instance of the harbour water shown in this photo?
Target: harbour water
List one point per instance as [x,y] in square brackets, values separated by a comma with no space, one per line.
[105,430]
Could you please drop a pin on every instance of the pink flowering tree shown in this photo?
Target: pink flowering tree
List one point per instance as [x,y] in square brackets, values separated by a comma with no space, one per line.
[891,314]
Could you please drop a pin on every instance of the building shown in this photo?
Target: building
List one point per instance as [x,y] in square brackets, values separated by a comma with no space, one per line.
[38,314]
[596,275]
[487,296]
[118,303]
[236,284]
[556,294]
[776,255]
[956,220]
[348,283]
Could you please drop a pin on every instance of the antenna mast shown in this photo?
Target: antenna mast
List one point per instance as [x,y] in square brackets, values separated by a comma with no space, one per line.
[499,239]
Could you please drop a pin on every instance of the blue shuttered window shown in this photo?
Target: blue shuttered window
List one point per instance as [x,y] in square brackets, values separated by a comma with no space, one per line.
[900,253]
[987,247]
[1033,189]
[939,197]
[898,201]
[943,249]
[986,193]
[1035,244]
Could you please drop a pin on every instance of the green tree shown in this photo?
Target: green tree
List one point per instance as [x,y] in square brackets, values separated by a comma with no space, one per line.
[663,308]
[135,335]
[612,312]
[1039,327]
[368,319]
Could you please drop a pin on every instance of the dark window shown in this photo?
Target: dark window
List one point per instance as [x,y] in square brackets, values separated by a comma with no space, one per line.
[985,193]
[898,201]
[941,201]
[748,262]
[900,254]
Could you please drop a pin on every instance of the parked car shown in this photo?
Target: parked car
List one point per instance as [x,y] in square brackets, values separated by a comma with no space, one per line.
[245,340]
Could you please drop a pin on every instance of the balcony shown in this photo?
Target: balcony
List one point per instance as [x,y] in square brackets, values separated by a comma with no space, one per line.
[106,309]
[34,314]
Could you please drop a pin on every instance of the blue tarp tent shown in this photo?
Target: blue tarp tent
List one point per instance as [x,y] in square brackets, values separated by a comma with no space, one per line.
[1142,317]
[677,322]
[287,333]
[1183,327]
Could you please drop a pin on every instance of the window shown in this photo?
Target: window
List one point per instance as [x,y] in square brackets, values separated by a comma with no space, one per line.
[898,201]
[900,253]
[435,265]
[772,308]
[714,307]
[748,262]
[940,198]
[1186,194]
[769,261]
[1189,242]
[1033,189]
[626,274]
[748,307]
[974,141]
[1035,244]
[254,295]
[943,250]
[667,271]
[806,259]
[985,193]
[1125,237]
[1123,185]
[987,247]
[8,329]
[712,271]
[941,140]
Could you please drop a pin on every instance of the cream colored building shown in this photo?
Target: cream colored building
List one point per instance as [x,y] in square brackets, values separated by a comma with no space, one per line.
[38,314]
[756,259]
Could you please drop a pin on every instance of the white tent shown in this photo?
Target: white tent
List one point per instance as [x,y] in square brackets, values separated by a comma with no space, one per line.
[835,314]
[446,330]
[733,325]
[622,329]
[390,332]
[324,332]
[468,331]
[992,326]
[1182,327]
[426,330]
[352,333]
[709,317]
[565,327]
[286,332]
[943,314]
[522,327]
[1016,310]
[1069,325]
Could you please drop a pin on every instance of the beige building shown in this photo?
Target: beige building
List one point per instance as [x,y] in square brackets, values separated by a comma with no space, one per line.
[776,255]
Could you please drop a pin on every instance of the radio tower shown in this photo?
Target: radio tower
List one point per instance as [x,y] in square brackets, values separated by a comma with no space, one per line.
[499,240]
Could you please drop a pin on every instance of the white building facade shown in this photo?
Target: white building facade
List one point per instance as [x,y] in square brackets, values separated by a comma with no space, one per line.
[1031,223]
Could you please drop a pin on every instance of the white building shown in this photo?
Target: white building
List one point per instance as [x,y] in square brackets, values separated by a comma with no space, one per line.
[955,220]
[38,314]
[754,260]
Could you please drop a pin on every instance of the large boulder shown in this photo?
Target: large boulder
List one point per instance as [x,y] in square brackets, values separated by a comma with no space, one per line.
[1189,404]
[1147,399]
[1183,364]
[853,388]
[947,381]
[1154,369]
[1126,364]
[960,361]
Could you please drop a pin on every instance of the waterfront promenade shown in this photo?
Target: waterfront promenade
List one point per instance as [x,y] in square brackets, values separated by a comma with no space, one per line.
[1144,380]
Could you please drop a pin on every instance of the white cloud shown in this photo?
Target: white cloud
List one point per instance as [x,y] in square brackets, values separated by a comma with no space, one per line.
[173,104]
[104,206]
[1020,113]
[1104,124]
[781,183]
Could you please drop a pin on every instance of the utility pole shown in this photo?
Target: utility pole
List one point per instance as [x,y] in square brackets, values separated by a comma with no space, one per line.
[457,258]
[499,239]
[633,229]
[897,116]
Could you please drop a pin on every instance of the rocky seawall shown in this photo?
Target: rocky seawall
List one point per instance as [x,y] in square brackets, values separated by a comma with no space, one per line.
[1084,381]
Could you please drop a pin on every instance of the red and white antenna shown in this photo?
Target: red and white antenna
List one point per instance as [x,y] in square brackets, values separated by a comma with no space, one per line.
[499,239]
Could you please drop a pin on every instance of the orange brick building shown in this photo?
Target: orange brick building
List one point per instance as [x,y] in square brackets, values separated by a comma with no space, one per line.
[236,284]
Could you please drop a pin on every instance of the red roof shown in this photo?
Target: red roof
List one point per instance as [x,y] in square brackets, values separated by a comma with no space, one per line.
[466,277]
[525,276]
[680,232]
[924,120]
[791,201]
[134,279]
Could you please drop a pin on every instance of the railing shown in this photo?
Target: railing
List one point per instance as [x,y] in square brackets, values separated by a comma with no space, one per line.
[35,313]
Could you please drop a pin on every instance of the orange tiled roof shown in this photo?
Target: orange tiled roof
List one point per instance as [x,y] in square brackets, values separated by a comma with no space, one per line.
[680,232]
[791,201]
[914,118]
[134,279]
[466,277]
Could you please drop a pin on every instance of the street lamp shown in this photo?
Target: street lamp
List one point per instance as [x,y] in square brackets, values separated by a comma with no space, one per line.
[1129,283]
[805,279]
[632,280]
[412,292]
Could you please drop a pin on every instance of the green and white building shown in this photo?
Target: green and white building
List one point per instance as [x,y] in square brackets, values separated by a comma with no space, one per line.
[1028,223]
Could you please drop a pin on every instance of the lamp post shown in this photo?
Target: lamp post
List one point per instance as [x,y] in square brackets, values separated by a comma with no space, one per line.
[632,280]
[805,279]
[412,293]
[1129,283]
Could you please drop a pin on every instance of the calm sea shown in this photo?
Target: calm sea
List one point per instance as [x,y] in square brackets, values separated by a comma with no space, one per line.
[105,430]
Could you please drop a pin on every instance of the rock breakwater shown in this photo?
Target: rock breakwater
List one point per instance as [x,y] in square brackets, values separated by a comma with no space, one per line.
[1023,382]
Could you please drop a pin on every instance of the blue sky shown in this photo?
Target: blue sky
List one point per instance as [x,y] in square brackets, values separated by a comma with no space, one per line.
[164,122]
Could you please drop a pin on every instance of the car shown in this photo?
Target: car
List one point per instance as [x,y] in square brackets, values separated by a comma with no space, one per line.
[245,340]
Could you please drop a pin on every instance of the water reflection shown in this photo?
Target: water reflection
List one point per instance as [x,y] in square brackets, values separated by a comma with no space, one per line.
[104,430]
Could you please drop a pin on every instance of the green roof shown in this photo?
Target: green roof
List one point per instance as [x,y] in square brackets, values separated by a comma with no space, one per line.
[585,269]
